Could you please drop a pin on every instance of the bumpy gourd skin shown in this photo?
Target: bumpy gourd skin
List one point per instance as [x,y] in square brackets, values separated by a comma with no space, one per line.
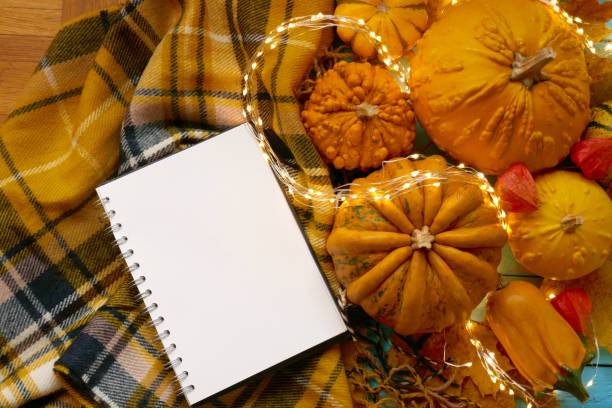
[465,98]
[600,126]
[421,261]
[538,340]
[358,117]
[570,234]
[399,23]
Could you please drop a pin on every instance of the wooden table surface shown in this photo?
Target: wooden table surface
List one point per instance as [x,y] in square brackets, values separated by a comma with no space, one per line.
[26,29]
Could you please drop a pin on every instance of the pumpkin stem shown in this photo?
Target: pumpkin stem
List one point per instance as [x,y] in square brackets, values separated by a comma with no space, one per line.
[569,223]
[529,69]
[366,110]
[422,238]
[571,381]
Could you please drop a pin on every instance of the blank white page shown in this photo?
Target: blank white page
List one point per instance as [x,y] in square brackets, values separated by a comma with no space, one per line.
[225,260]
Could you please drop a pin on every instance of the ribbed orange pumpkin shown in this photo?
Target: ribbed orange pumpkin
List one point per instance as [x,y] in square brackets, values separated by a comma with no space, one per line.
[420,261]
[500,82]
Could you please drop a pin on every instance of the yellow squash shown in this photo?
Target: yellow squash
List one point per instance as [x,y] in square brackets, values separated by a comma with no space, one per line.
[399,23]
[511,85]
[541,344]
[570,234]
[422,260]
[357,116]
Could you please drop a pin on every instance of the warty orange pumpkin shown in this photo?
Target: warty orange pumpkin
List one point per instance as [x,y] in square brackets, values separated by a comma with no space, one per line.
[357,116]
[511,85]
[398,22]
[422,260]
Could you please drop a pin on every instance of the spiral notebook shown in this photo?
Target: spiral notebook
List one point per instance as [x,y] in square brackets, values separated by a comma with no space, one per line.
[221,262]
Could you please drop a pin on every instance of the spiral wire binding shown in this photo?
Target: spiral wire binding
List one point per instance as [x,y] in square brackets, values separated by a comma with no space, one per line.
[172,363]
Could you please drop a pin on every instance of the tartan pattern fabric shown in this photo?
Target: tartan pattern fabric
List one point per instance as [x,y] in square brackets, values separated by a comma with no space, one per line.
[118,89]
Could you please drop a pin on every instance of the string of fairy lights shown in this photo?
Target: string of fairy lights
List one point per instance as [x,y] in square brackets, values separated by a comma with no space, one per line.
[496,373]
[384,190]
[505,382]
[391,188]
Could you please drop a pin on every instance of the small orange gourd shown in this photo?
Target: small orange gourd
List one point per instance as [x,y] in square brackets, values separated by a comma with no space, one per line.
[510,86]
[570,234]
[357,116]
[600,126]
[422,260]
[398,22]
[541,344]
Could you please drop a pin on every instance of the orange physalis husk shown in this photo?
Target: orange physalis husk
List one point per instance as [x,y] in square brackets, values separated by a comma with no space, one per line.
[593,156]
[575,305]
[517,189]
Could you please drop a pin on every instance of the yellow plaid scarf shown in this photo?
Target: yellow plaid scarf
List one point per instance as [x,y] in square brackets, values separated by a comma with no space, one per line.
[118,89]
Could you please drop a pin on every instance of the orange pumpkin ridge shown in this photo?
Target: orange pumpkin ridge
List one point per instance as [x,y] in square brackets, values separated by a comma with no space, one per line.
[421,261]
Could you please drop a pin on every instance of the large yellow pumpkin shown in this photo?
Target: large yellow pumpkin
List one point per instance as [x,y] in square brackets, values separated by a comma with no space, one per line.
[422,260]
[357,116]
[570,234]
[399,23]
[500,82]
